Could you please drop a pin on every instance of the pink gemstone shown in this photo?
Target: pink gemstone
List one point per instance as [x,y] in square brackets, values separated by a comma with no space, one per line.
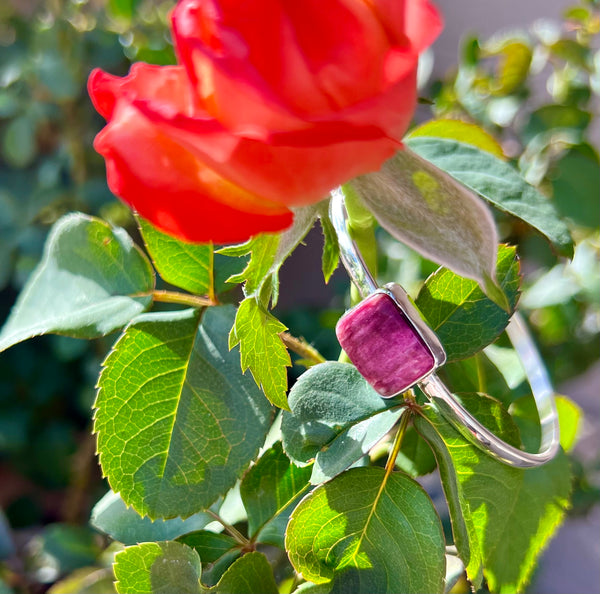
[383,344]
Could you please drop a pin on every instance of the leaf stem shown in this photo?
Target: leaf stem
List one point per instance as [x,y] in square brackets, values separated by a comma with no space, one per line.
[302,348]
[391,461]
[176,297]
[234,532]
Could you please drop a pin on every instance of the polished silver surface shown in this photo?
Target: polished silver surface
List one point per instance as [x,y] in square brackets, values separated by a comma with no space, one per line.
[349,252]
[434,388]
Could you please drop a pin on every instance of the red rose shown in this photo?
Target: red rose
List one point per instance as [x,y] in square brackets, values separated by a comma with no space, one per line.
[274,103]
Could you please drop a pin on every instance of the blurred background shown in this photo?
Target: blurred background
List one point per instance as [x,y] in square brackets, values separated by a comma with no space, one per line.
[529,72]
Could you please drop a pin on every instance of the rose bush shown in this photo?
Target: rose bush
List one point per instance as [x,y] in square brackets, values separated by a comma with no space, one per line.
[273,104]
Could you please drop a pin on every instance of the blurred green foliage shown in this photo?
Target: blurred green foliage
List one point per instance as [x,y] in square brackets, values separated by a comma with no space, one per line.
[538,91]
[48,167]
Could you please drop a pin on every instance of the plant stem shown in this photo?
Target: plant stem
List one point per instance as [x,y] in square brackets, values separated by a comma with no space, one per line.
[175,297]
[302,348]
[391,461]
[234,532]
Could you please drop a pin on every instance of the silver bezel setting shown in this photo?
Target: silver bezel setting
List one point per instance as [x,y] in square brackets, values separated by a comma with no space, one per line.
[429,337]
[431,342]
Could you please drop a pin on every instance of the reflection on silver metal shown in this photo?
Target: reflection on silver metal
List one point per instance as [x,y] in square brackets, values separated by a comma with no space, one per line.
[434,388]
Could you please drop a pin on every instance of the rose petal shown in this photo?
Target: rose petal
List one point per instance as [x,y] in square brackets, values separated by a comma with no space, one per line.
[167,84]
[298,174]
[417,21]
[274,64]
[175,191]
[423,24]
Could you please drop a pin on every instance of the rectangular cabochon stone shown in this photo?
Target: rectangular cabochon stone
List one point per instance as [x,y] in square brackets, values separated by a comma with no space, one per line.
[383,345]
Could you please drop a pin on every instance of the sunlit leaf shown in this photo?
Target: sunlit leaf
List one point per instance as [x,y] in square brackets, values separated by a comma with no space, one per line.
[176,420]
[499,183]
[514,61]
[462,131]
[525,414]
[572,52]
[420,205]
[248,575]
[268,252]
[458,311]
[158,568]
[331,248]
[336,418]
[85,286]
[501,545]
[269,489]
[111,516]
[368,532]
[217,552]
[190,266]
[261,349]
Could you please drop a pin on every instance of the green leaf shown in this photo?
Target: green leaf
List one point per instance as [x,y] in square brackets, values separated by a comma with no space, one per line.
[336,418]
[502,517]
[262,249]
[570,417]
[124,9]
[19,143]
[331,248]
[304,219]
[310,588]
[87,580]
[191,266]
[249,575]
[499,183]
[85,285]
[423,207]
[268,253]
[554,116]
[217,553]
[477,374]
[572,52]
[185,265]
[111,516]
[458,311]
[576,185]
[369,533]
[262,350]
[577,13]
[270,489]
[158,568]
[513,68]
[176,420]
[524,412]
[462,131]
[209,545]
[415,456]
